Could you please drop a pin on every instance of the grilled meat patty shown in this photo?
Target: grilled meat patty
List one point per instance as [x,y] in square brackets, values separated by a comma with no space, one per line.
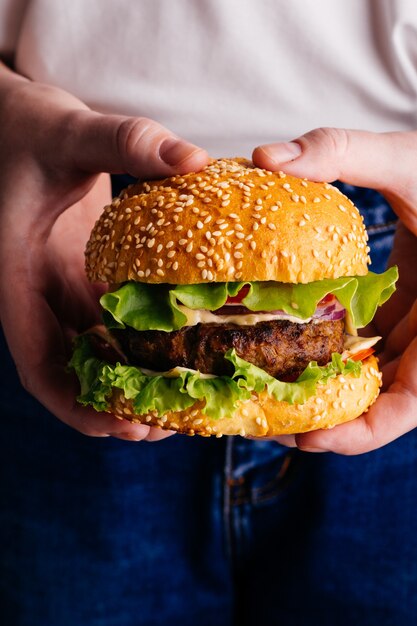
[281,348]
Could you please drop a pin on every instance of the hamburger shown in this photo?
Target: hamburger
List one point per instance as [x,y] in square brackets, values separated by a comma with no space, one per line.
[234,299]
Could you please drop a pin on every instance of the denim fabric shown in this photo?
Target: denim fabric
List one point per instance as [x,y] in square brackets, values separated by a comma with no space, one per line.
[102,532]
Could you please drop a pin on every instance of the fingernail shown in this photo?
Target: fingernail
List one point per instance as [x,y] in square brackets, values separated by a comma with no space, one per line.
[126,436]
[282,152]
[310,449]
[175,151]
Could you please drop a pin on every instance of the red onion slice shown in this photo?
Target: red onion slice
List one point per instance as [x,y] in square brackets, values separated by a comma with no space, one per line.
[328,309]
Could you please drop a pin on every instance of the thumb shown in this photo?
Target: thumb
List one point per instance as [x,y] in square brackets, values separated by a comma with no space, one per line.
[134,145]
[383,161]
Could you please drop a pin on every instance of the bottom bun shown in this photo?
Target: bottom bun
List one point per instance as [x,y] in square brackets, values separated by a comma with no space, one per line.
[341,399]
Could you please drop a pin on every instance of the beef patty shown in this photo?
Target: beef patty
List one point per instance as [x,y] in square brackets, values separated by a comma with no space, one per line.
[281,348]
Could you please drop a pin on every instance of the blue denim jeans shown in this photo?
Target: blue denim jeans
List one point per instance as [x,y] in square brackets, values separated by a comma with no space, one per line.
[103,532]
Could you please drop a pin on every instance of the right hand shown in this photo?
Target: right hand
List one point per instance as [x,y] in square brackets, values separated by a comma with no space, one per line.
[52,149]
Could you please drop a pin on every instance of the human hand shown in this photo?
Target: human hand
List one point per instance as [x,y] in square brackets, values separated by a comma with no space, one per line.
[386,162]
[52,148]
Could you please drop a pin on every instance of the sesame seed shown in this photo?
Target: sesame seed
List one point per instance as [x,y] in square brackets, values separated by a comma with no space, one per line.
[316,200]
[302,223]
[271,226]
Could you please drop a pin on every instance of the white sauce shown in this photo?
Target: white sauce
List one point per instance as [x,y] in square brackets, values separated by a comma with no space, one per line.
[355,344]
[175,372]
[201,316]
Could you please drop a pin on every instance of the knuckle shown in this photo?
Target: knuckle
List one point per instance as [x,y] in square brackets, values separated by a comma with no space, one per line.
[334,140]
[331,145]
[132,133]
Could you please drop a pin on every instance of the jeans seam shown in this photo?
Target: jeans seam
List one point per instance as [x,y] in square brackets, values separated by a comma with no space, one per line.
[384,227]
[267,492]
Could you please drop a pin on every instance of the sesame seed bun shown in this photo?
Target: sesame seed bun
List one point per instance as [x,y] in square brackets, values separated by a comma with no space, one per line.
[229,222]
[341,399]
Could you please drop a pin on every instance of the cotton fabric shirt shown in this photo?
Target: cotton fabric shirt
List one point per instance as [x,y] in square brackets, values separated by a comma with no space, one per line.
[227,75]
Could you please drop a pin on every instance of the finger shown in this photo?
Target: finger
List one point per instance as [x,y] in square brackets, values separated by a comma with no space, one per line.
[401,336]
[137,146]
[283,440]
[383,161]
[393,414]
[148,433]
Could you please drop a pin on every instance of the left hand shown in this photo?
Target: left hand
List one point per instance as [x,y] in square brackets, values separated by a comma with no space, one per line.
[386,162]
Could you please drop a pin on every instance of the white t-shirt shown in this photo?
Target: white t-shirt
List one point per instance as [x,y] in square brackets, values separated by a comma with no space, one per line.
[226,74]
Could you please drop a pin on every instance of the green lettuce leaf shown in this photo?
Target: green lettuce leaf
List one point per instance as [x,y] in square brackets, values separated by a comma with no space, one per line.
[256,379]
[221,394]
[156,307]
[143,307]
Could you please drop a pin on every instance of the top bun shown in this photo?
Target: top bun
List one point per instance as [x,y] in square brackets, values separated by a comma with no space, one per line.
[229,222]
